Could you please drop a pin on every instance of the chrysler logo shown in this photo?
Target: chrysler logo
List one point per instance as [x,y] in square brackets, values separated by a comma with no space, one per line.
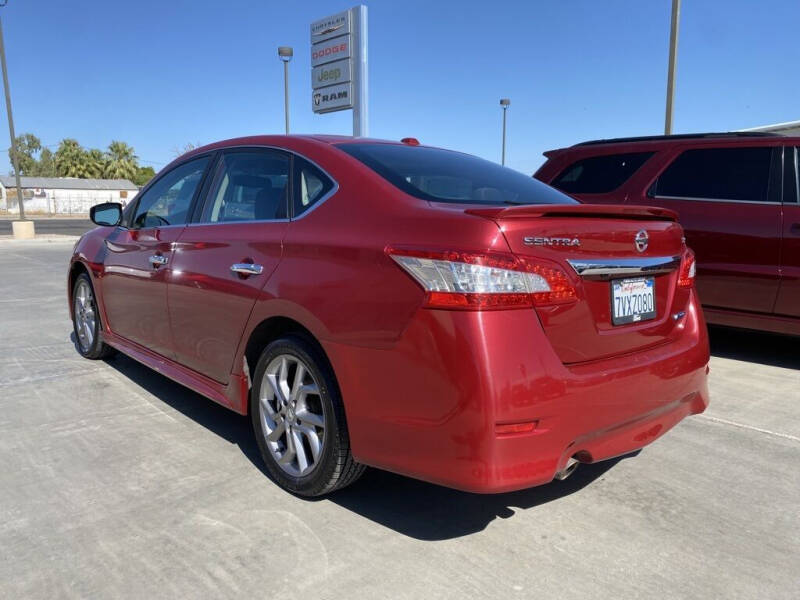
[641,240]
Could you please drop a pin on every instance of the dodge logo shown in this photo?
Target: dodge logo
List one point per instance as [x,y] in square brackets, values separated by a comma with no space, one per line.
[641,240]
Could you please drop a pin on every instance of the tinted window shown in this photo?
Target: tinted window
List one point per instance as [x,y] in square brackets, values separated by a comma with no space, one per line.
[168,201]
[790,187]
[311,185]
[599,174]
[718,174]
[248,186]
[446,176]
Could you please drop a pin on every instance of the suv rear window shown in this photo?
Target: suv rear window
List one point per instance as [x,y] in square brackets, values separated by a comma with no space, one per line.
[717,174]
[599,174]
[445,176]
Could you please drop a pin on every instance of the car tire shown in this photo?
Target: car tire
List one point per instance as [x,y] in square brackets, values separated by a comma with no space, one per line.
[86,320]
[299,421]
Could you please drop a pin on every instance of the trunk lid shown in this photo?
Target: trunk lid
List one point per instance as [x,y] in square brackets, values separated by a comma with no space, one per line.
[594,245]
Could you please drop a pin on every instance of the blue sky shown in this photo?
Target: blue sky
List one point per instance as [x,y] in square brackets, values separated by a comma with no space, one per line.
[160,74]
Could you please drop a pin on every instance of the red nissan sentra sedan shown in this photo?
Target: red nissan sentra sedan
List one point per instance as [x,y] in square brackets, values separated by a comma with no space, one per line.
[395,305]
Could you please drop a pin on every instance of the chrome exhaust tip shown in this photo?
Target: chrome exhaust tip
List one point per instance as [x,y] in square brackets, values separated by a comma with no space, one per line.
[568,469]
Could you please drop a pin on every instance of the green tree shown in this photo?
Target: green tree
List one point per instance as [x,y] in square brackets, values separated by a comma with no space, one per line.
[95,163]
[121,161]
[27,146]
[143,175]
[45,166]
[70,159]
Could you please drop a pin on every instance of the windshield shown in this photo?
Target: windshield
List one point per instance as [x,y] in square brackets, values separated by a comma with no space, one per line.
[446,176]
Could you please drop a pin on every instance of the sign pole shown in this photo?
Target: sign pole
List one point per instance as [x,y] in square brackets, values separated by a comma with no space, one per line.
[360,75]
[673,51]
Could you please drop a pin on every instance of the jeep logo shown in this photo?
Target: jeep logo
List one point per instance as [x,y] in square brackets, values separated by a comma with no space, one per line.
[329,75]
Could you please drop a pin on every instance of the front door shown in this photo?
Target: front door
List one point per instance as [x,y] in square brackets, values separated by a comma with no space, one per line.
[222,262]
[728,201]
[139,256]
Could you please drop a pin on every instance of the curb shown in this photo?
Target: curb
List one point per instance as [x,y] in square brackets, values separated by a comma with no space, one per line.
[40,239]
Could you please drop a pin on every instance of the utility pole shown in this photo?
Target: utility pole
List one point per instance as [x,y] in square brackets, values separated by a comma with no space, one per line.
[11,121]
[504,103]
[673,52]
[285,53]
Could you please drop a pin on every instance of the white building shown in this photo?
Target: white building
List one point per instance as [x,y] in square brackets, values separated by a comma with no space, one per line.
[63,195]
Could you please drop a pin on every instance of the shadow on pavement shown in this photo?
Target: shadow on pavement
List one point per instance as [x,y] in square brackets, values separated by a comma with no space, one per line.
[755,346]
[414,508]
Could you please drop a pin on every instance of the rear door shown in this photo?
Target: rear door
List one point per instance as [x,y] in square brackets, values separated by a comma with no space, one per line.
[728,202]
[224,258]
[138,262]
[788,303]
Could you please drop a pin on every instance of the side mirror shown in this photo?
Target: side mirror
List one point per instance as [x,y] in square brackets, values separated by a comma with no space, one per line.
[108,214]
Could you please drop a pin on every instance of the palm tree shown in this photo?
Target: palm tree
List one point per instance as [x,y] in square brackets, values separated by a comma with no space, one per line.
[70,159]
[95,163]
[121,161]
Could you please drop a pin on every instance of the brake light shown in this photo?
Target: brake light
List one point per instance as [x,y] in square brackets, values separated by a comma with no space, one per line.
[688,269]
[483,281]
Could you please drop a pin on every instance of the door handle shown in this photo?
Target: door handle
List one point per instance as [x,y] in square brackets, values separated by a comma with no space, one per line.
[795,228]
[157,260]
[247,269]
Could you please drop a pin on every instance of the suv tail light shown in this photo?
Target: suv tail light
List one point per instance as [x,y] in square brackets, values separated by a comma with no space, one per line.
[688,269]
[483,281]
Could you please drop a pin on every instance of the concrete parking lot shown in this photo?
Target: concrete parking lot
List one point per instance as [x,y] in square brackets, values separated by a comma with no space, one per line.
[117,482]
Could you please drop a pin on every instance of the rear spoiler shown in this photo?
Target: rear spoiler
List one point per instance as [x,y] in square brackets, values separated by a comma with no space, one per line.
[552,153]
[608,211]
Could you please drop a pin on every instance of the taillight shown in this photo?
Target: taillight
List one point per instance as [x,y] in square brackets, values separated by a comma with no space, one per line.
[483,281]
[688,268]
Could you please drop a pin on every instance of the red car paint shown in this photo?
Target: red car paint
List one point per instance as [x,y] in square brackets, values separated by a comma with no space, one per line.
[748,253]
[486,400]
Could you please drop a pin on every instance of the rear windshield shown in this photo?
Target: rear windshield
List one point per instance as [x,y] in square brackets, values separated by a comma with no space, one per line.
[446,176]
[599,174]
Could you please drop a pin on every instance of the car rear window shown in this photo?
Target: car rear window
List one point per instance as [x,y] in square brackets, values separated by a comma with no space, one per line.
[600,174]
[445,176]
[717,174]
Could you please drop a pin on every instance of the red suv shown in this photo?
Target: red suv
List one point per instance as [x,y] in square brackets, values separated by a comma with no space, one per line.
[390,304]
[736,195]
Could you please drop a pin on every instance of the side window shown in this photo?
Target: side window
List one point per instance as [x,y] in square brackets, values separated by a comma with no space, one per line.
[599,174]
[168,201]
[249,186]
[718,174]
[791,193]
[311,185]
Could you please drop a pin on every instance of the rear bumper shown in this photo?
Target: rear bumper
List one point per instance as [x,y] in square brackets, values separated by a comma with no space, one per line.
[429,405]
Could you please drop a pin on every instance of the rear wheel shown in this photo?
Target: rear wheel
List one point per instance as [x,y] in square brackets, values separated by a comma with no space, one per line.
[86,320]
[298,419]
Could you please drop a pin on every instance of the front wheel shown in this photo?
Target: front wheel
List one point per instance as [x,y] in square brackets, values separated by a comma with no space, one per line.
[86,320]
[299,421]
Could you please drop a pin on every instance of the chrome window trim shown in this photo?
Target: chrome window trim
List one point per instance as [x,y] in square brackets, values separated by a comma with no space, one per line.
[330,193]
[621,267]
[694,199]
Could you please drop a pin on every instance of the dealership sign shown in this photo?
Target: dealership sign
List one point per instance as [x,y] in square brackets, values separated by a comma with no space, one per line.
[339,65]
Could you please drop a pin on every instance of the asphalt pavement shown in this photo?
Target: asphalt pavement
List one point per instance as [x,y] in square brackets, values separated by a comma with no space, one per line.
[71,226]
[117,482]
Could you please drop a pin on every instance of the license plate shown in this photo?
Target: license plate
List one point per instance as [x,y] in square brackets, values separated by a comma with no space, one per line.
[633,300]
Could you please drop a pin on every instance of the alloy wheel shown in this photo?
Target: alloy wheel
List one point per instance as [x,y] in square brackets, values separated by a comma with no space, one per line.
[292,415]
[85,316]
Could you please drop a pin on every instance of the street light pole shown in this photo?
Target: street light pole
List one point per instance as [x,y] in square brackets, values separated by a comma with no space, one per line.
[285,53]
[505,103]
[14,160]
[673,51]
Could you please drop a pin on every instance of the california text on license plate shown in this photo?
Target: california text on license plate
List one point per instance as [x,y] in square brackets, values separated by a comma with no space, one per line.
[633,300]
